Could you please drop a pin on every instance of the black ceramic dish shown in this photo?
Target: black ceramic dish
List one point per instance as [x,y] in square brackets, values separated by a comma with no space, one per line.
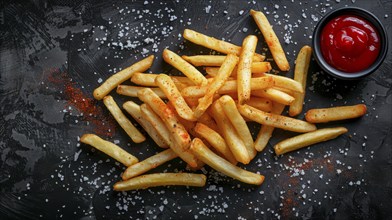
[361,13]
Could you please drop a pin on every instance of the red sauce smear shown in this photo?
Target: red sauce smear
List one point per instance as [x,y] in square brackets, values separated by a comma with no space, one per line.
[102,125]
[350,43]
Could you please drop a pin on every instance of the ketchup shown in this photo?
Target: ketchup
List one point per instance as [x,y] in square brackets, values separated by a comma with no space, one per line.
[350,43]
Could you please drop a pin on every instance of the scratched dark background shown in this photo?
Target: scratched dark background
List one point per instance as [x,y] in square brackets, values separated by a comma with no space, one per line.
[54,53]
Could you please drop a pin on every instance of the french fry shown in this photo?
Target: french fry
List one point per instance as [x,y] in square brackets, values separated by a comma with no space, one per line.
[230,86]
[271,39]
[109,149]
[148,79]
[149,115]
[287,83]
[274,120]
[323,115]
[262,104]
[218,163]
[181,138]
[169,88]
[216,141]
[211,60]
[257,68]
[148,164]
[161,179]
[186,68]
[134,110]
[224,72]
[244,73]
[307,139]
[214,44]
[300,75]
[230,109]
[118,78]
[265,132]
[132,91]
[274,95]
[122,120]
[234,142]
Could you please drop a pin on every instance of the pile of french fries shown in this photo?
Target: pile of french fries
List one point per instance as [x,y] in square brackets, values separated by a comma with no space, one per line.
[202,118]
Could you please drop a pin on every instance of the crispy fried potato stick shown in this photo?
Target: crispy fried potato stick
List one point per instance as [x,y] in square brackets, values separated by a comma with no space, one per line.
[214,44]
[323,115]
[271,39]
[149,115]
[109,149]
[161,179]
[232,139]
[122,120]
[216,141]
[300,75]
[265,132]
[148,79]
[274,120]
[238,122]
[230,86]
[181,138]
[211,60]
[287,83]
[118,78]
[222,165]
[257,68]
[218,81]
[262,104]
[132,91]
[307,139]
[274,95]
[244,73]
[148,164]
[186,68]
[169,88]
[134,110]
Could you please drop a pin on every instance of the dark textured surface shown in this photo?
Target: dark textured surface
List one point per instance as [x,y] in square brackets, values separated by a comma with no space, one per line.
[52,55]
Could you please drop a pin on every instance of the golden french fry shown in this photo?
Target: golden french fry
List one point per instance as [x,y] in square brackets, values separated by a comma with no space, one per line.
[149,115]
[211,60]
[287,83]
[216,141]
[244,73]
[274,120]
[230,86]
[134,110]
[214,44]
[132,91]
[323,115]
[274,95]
[234,142]
[181,138]
[186,68]
[307,139]
[257,68]
[218,81]
[148,79]
[230,109]
[262,104]
[169,88]
[109,149]
[265,132]
[161,179]
[122,120]
[148,164]
[118,78]
[218,163]
[300,75]
[271,39]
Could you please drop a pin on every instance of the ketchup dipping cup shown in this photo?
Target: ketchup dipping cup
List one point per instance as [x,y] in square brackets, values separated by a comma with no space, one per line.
[350,43]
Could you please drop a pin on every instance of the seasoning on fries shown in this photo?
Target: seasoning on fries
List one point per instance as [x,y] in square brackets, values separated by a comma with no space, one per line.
[307,139]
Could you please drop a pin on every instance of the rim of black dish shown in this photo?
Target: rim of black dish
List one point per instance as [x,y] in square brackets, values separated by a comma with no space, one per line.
[354,11]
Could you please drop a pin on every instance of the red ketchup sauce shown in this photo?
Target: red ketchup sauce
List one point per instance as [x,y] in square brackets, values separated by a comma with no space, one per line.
[350,43]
